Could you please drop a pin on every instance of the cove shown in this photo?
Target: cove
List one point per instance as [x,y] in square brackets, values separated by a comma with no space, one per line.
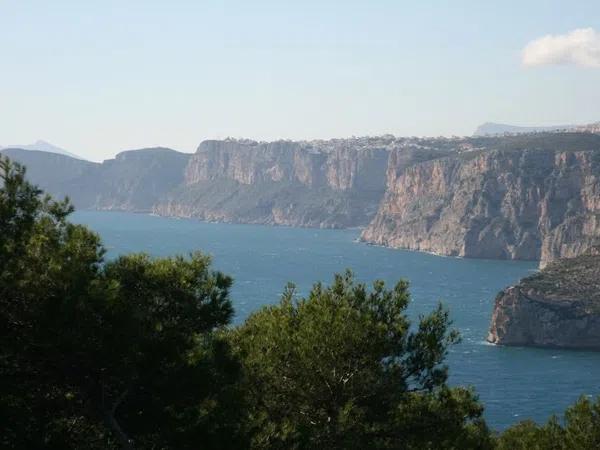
[513,383]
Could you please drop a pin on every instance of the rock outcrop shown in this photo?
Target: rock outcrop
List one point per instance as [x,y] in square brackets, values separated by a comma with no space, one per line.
[557,307]
[534,197]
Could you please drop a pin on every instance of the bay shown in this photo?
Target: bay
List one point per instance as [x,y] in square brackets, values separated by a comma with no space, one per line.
[513,383]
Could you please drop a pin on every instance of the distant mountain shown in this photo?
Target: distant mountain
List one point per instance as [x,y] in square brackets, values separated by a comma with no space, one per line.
[57,174]
[133,181]
[335,183]
[43,146]
[491,129]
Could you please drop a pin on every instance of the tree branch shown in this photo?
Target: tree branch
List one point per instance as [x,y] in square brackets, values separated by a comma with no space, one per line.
[111,422]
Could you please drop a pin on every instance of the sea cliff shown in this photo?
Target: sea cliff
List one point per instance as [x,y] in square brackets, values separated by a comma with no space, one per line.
[557,307]
[327,184]
[533,197]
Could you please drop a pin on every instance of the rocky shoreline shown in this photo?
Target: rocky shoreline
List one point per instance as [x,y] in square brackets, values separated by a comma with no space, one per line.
[558,307]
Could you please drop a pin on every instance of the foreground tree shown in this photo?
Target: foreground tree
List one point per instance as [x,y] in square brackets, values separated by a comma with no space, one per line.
[580,431]
[165,371]
[101,355]
[343,369]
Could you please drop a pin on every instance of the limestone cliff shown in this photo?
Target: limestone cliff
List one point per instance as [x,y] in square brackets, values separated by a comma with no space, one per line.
[519,197]
[281,183]
[321,183]
[523,197]
[557,307]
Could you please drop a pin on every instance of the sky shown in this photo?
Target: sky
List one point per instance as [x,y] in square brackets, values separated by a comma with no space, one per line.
[98,77]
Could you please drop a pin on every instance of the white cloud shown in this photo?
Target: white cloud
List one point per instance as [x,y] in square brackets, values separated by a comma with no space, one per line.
[580,47]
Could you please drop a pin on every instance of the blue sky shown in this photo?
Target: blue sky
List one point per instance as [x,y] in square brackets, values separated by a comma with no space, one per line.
[97,77]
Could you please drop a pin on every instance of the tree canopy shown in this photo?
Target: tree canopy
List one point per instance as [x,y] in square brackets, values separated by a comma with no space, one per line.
[342,368]
[106,354]
[580,430]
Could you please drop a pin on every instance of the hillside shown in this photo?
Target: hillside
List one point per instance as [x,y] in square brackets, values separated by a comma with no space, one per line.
[42,146]
[132,181]
[57,174]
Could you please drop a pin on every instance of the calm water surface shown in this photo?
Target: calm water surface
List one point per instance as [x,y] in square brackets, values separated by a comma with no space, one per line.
[513,383]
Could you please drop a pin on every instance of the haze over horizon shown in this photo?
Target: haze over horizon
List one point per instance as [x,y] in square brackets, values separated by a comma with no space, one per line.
[98,78]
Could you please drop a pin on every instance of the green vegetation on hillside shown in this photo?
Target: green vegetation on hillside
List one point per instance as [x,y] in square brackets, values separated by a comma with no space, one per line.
[571,279]
[138,352]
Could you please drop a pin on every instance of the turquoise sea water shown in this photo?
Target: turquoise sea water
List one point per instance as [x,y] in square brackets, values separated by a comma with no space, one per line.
[513,383]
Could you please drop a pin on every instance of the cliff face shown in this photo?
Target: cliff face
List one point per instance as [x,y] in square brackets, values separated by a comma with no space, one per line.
[558,307]
[282,183]
[335,183]
[527,198]
[513,197]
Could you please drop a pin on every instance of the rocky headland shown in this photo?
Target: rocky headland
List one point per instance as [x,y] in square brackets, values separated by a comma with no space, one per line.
[556,307]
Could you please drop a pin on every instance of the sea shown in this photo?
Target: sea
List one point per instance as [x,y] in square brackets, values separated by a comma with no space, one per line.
[513,383]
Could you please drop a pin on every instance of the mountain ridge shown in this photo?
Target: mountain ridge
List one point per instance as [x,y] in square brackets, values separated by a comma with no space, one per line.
[42,146]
